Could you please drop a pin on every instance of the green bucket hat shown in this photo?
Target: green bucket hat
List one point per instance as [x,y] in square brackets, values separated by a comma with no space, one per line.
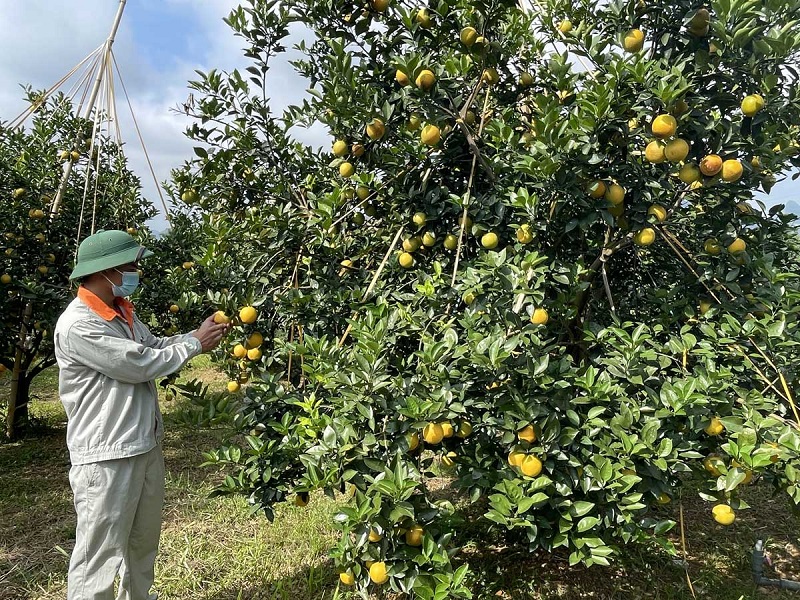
[106,250]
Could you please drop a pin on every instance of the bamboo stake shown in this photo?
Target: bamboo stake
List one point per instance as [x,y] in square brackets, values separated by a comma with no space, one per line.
[373,282]
[90,106]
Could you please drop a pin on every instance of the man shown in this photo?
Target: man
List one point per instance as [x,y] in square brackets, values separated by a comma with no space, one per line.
[108,360]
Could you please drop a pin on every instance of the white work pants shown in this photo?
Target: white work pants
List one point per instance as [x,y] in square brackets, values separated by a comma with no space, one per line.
[119,504]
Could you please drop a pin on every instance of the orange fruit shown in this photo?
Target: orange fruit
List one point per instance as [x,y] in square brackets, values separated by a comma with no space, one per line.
[664,126]
[731,170]
[376,129]
[714,427]
[655,152]
[711,165]
[676,150]
[752,104]
[378,573]
[430,135]
[468,36]
[527,434]
[248,315]
[615,194]
[425,80]
[737,246]
[489,240]
[531,466]
[539,316]
[633,40]
[644,237]
[433,433]
[414,535]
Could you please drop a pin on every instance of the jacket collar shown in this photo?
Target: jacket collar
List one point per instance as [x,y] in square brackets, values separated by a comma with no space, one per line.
[96,305]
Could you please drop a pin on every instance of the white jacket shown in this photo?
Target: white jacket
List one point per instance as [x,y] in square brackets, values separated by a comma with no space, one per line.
[107,366]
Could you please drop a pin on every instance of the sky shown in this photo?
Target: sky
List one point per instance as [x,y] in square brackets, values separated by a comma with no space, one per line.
[159,45]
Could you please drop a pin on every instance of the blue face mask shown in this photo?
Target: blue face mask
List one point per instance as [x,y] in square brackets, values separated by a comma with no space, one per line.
[130,281]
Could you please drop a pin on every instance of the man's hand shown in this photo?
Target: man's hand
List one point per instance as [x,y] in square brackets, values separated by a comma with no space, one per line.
[210,334]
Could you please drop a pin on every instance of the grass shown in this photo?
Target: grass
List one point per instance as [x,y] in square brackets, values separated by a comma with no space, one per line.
[213,549]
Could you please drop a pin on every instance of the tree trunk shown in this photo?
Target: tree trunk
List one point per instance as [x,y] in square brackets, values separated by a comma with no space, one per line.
[21,421]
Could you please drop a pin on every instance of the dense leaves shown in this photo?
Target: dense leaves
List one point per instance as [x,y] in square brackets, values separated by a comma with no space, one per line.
[566,325]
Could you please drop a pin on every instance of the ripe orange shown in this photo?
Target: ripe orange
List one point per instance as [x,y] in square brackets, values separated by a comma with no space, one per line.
[711,165]
[254,354]
[737,246]
[347,578]
[233,386]
[378,573]
[406,260]
[339,148]
[655,152]
[468,36]
[644,237]
[596,189]
[531,466]
[524,235]
[346,169]
[752,104]
[676,150]
[433,433]
[425,80]
[664,126]
[731,170]
[174,308]
[376,129]
[430,135]
[380,5]
[633,40]
[658,211]
[515,458]
[358,150]
[402,78]
[723,514]
[374,536]
[414,535]
[248,315]
[447,429]
[615,194]
[565,26]
[539,316]
[489,240]
[714,427]
[255,340]
[527,434]
[239,351]
[221,318]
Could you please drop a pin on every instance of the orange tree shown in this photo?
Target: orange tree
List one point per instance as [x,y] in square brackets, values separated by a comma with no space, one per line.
[37,251]
[530,258]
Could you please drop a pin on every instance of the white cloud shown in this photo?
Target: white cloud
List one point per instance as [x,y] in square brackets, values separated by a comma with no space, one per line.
[44,39]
